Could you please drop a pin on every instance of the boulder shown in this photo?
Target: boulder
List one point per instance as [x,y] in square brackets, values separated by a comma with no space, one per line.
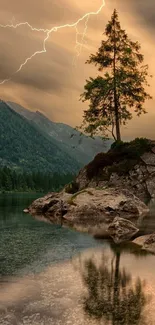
[90,209]
[123,170]
[26,210]
[41,205]
[149,157]
[147,242]
[122,230]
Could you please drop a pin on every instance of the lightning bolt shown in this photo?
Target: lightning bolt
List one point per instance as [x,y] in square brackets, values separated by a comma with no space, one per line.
[12,20]
[83,36]
[79,45]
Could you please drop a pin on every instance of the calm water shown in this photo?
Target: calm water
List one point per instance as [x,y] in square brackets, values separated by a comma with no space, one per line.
[29,245]
[55,276]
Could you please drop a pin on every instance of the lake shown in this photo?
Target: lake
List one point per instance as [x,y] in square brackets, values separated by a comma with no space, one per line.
[51,275]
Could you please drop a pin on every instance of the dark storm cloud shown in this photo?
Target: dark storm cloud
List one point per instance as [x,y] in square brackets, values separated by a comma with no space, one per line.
[53,75]
[143,9]
[38,80]
[49,82]
[40,12]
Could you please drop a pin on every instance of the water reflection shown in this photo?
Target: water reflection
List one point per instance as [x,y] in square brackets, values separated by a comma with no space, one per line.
[40,284]
[113,296]
[148,225]
[28,245]
[98,287]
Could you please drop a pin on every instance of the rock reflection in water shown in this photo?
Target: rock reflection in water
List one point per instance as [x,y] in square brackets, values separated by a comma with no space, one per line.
[113,296]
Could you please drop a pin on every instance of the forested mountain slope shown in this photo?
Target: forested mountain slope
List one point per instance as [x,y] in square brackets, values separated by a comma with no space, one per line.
[23,146]
[82,147]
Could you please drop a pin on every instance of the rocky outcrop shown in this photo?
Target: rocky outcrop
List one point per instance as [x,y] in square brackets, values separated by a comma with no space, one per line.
[90,210]
[122,230]
[147,242]
[123,169]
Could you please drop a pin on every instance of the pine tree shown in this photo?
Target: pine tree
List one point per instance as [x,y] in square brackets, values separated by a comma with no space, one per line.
[121,88]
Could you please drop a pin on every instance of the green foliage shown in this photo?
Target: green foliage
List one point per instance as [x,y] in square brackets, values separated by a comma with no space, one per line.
[117,144]
[121,158]
[11,180]
[121,89]
[23,147]
[133,149]
[72,187]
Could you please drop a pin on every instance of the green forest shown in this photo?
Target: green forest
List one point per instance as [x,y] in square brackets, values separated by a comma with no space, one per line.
[11,180]
[24,147]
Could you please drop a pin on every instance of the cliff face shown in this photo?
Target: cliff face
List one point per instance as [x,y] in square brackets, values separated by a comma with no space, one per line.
[126,166]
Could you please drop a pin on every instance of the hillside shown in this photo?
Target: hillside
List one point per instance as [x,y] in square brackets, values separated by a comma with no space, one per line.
[22,146]
[81,147]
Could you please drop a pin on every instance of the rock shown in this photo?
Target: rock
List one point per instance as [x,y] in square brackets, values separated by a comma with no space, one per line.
[149,158]
[91,209]
[150,184]
[122,230]
[40,205]
[147,242]
[151,169]
[153,149]
[116,169]
[26,210]
[83,180]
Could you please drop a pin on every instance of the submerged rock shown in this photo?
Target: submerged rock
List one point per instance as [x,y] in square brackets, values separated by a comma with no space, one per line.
[122,230]
[91,209]
[147,242]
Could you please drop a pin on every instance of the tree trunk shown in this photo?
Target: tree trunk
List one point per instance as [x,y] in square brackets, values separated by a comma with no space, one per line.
[118,134]
[117,122]
[116,290]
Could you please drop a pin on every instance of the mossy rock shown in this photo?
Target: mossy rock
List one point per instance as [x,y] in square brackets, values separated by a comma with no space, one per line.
[71,199]
[72,187]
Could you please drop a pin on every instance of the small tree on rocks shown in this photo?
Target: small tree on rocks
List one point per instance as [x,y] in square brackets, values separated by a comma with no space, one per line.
[121,88]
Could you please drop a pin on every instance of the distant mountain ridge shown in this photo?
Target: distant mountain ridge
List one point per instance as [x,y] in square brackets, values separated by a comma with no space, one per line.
[24,147]
[80,147]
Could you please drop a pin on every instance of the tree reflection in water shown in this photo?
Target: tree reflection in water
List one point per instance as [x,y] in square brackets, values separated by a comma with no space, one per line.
[113,297]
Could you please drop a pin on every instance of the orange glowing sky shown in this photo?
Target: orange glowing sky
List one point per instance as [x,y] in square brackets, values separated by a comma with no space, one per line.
[50,82]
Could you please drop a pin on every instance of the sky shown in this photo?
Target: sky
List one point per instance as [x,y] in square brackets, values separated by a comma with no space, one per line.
[52,82]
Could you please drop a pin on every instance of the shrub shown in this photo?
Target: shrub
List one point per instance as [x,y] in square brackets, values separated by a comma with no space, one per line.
[100,161]
[117,144]
[122,157]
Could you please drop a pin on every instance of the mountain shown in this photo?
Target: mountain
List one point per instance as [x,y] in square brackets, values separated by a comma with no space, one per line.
[23,146]
[77,145]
